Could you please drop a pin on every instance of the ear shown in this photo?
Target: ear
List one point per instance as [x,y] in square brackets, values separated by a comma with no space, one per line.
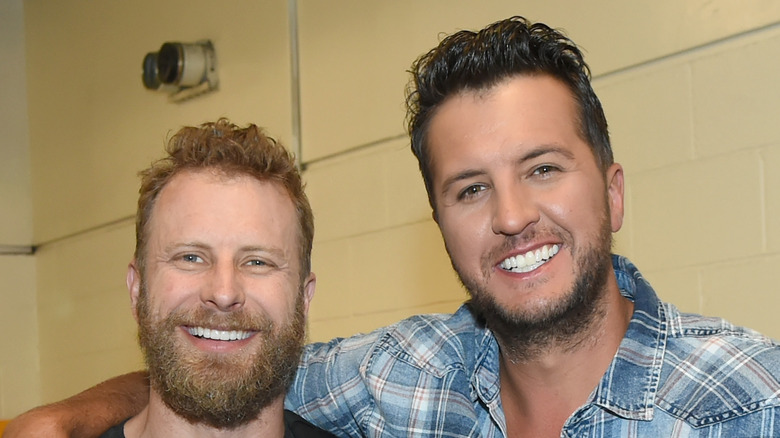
[133,281]
[308,292]
[615,193]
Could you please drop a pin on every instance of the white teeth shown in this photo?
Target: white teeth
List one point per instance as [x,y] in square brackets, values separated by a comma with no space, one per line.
[531,260]
[218,335]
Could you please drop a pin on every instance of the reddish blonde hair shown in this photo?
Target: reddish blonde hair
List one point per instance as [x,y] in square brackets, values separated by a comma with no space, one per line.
[232,151]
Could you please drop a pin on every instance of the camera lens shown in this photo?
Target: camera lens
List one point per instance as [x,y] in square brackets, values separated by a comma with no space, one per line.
[169,62]
[149,76]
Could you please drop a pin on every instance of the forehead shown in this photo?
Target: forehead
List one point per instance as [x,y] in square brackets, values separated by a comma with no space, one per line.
[207,205]
[516,114]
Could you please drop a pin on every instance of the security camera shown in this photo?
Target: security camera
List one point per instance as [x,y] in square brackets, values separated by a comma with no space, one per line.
[185,69]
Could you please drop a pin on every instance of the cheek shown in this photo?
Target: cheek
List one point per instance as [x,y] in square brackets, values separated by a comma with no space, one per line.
[587,222]
[465,237]
[276,298]
[560,211]
[170,293]
[575,207]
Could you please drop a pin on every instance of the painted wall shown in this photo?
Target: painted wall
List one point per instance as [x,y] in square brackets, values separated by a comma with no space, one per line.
[688,88]
[19,371]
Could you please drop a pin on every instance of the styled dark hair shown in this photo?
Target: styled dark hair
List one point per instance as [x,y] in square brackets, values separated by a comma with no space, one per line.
[232,151]
[476,61]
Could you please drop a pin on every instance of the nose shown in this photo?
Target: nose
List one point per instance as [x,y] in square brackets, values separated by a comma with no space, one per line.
[224,290]
[513,211]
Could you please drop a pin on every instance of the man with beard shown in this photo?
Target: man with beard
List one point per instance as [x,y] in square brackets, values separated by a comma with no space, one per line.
[220,286]
[560,337]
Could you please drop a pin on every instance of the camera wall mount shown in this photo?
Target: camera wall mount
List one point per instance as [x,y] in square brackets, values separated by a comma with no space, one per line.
[183,70]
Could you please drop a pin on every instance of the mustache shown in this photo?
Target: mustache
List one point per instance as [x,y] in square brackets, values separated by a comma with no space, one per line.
[257,321]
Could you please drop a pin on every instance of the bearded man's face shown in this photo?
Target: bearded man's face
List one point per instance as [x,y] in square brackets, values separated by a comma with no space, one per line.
[220,297]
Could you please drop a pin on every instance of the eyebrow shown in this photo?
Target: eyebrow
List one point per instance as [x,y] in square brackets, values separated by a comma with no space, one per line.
[267,249]
[545,149]
[174,246]
[536,152]
[250,248]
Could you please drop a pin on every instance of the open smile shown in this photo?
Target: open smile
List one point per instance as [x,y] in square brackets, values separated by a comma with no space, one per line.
[531,260]
[218,335]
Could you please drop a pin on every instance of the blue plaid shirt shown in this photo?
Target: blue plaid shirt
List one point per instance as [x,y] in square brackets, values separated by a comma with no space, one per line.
[674,375]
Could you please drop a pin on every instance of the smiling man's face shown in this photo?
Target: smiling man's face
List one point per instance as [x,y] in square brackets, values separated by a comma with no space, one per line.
[525,211]
[220,306]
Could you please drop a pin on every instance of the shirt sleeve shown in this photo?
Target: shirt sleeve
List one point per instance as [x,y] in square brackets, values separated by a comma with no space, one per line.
[329,390]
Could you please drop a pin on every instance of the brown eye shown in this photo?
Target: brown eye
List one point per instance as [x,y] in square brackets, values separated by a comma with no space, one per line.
[471,191]
[545,170]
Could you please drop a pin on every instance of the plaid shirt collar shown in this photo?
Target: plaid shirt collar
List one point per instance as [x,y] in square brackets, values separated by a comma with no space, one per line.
[639,358]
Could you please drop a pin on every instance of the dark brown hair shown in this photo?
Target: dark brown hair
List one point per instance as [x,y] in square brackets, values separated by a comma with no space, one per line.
[475,61]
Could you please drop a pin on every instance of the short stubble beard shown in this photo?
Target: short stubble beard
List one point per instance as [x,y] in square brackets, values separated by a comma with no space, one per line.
[221,391]
[564,324]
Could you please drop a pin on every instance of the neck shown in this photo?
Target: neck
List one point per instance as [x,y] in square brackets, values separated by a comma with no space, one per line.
[541,389]
[157,420]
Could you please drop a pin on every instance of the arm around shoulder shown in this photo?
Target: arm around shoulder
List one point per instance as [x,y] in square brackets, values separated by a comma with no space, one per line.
[87,414]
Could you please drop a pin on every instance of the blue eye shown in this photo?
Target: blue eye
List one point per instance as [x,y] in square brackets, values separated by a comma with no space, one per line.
[192,258]
[256,263]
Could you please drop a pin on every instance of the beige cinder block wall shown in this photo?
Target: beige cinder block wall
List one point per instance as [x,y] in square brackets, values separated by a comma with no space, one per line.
[689,90]
[685,86]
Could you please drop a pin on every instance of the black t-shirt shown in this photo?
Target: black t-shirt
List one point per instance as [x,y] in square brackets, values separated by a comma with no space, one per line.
[294,427]
[297,427]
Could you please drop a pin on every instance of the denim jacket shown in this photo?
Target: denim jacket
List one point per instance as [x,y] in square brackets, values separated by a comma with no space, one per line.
[674,375]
